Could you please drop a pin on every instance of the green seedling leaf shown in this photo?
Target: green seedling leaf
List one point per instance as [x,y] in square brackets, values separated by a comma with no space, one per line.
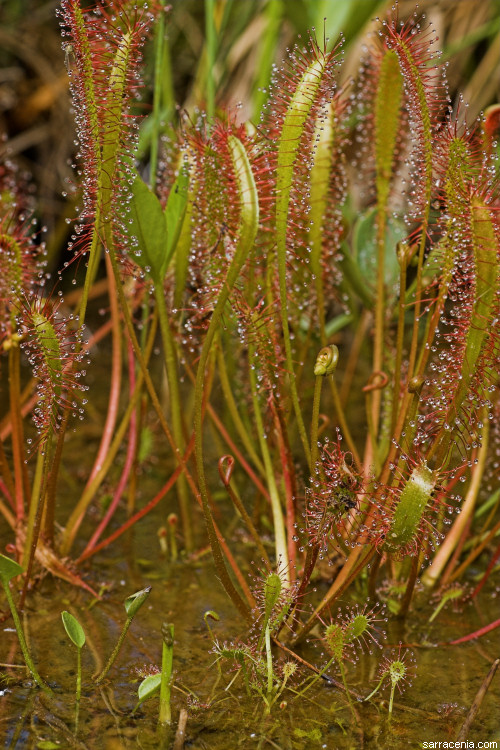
[134,602]
[148,227]
[337,324]
[365,247]
[148,687]
[353,278]
[8,569]
[175,211]
[73,629]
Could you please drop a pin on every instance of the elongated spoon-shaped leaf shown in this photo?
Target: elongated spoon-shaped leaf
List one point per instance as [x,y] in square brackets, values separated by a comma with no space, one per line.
[73,629]
[306,96]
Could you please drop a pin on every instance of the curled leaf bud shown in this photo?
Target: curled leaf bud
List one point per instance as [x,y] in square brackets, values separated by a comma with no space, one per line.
[212,615]
[326,361]
[403,253]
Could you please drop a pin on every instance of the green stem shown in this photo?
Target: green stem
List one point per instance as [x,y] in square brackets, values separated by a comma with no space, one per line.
[233,410]
[438,609]
[36,493]
[211,42]
[20,473]
[171,367]
[316,677]
[447,547]
[344,680]
[274,498]
[22,643]
[236,500]
[248,230]
[368,697]
[269,661]
[165,716]
[391,700]
[157,96]
[315,422]
[399,337]
[51,484]
[36,517]
[115,652]
[378,347]
[78,675]
[344,427]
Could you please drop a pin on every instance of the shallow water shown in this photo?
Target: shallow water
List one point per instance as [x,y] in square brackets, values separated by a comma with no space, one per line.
[432,709]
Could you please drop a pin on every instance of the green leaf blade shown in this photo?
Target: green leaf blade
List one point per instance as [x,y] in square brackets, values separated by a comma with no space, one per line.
[148,229]
[134,602]
[149,687]
[175,211]
[73,629]
[8,569]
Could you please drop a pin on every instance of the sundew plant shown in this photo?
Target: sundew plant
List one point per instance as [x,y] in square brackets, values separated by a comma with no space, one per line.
[302,311]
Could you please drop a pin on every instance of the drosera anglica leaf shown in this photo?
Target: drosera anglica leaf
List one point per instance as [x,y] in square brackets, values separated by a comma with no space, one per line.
[408,513]
[387,122]
[303,106]
[486,264]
